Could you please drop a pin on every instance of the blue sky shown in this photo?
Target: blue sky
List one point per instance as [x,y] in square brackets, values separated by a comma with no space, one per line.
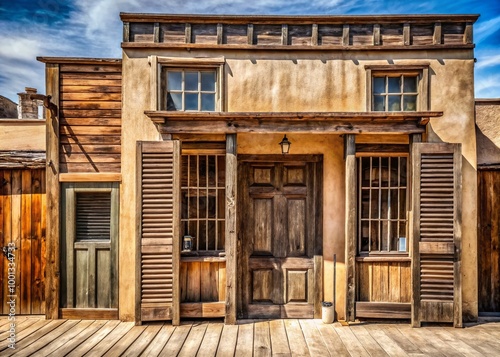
[92,28]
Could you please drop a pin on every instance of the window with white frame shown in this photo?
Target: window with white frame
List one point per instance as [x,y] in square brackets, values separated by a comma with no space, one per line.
[190,89]
[382,205]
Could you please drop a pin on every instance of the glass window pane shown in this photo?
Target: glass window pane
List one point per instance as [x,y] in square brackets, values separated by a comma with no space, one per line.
[394,84]
[174,101]
[208,81]
[410,103]
[374,229]
[191,101]
[378,85]
[191,81]
[364,236]
[174,80]
[378,103]
[208,102]
[211,235]
[410,84]
[222,235]
[394,103]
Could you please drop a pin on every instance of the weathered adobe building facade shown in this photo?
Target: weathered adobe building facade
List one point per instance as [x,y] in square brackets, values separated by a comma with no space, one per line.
[177,145]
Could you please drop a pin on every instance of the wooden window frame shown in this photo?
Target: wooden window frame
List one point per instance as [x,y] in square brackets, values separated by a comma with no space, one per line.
[421,71]
[158,81]
[359,188]
[220,191]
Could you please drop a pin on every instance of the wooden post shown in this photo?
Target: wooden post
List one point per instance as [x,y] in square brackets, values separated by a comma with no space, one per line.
[345,35]
[52,273]
[231,236]
[406,34]
[376,35]
[315,35]
[436,37]
[350,224]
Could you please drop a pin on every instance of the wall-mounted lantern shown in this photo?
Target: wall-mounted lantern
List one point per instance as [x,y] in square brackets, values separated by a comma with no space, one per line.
[285,145]
[187,243]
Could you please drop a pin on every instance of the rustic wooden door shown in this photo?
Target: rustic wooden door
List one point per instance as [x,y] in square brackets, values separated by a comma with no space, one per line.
[489,242]
[279,225]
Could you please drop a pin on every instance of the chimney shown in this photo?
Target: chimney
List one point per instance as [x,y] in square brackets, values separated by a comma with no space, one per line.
[28,108]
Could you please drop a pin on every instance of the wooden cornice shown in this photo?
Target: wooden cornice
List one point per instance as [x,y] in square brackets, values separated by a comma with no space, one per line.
[79,60]
[295,20]
[305,122]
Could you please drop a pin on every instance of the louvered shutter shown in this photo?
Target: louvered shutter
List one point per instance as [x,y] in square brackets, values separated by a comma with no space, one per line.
[93,216]
[159,197]
[436,233]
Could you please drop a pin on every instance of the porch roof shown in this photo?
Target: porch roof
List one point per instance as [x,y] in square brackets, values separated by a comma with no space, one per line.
[171,122]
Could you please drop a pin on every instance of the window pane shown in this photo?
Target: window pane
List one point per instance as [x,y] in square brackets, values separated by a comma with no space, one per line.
[394,103]
[208,81]
[394,84]
[410,84]
[174,101]
[379,85]
[374,229]
[191,101]
[211,235]
[364,236]
[208,102]
[410,103]
[379,103]
[174,80]
[191,81]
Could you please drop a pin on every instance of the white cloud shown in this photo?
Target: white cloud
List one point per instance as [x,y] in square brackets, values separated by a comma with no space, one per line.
[485,29]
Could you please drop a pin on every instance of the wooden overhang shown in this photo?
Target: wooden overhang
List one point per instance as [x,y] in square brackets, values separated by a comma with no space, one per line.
[330,32]
[170,122]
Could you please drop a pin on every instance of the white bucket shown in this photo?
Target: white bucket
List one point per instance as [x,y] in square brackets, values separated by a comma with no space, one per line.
[327,312]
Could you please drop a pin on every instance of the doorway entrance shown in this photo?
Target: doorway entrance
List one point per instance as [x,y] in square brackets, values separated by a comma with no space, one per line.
[280,223]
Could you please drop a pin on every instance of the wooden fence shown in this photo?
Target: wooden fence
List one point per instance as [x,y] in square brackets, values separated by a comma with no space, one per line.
[22,222]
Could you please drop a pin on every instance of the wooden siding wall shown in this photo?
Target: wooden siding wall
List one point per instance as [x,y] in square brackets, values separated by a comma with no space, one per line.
[22,222]
[272,33]
[90,117]
[489,241]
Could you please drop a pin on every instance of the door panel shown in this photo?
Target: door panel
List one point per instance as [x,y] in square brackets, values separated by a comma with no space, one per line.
[278,267]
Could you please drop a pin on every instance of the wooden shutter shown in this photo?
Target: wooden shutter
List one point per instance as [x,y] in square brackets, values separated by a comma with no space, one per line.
[159,197]
[436,237]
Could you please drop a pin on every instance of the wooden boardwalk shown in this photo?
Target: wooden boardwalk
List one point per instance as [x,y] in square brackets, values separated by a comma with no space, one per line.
[39,337]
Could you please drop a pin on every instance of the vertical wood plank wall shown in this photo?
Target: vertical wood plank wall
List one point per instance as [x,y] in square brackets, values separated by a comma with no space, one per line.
[22,222]
[489,241]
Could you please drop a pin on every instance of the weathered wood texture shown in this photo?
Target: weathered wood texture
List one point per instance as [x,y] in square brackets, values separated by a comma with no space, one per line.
[158,241]
[22,159]
[384,281]
[22,222]
[231,228]
[489,241]
[38,337]
[90,110]
[350,224]
[318,32]
[436,274]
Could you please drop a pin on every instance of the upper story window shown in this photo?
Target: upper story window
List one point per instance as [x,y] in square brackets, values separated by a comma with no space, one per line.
[191,90]
[188,84]
[396,88]
[395,93]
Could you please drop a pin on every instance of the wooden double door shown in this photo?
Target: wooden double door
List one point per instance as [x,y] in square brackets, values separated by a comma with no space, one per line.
[280,224]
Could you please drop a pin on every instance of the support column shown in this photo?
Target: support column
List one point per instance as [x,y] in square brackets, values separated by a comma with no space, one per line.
[231,236]
[350,224]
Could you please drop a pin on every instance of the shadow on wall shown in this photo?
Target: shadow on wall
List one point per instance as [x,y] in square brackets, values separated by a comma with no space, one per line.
[488,153]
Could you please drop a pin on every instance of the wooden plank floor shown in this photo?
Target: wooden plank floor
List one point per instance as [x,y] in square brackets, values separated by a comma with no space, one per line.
[39,337]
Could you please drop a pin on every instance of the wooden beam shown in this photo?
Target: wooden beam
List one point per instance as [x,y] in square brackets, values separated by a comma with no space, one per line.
[231,228]
[156,32]
[189,38]
[436,37]
[457,233]
[406,34]
[284,35]
[315,35]
[52,269]
[220,33]
[468,33]
[250,34]
[350,224]
[22,159]
[90,177]
[126,31]
[345,35]
[376,35]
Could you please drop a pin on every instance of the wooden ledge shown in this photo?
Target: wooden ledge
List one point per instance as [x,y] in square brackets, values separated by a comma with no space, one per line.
[304,122]
[90,177]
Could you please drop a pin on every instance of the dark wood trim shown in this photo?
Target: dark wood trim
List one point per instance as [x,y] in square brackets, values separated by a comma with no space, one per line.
[488,167]
[299,20]
[383,310]
[22,159]
[279,158]
[457,232]
[231,228]
[88,314]
[52,268]
[384,259]
[153,45]
[78,60]
[382,148]
[398,67]
[350,224]
[487,101]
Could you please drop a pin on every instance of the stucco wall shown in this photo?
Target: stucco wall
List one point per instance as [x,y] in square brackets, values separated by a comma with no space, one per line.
[488,131]
[19,134]
[308,81]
